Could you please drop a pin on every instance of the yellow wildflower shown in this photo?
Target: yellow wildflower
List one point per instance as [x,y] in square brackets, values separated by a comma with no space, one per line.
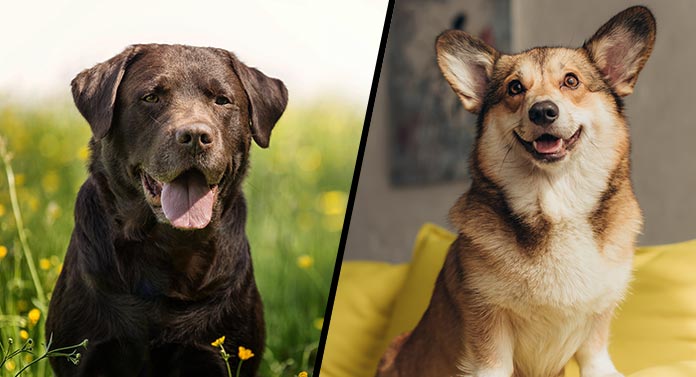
[44,264]
[59,268]
[319,323]
[333,202]
[10,365]
[305,261]
[19,179]
[3,252]
[302,374]
[50,181]
[34,316]
[24,334]
[83,153]
[32,201]
[2,209]
[28,358]
[218,342]
[245,353]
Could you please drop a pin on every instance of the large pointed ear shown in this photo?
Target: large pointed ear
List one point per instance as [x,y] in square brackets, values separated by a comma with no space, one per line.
[94,91]
[267,96]
[621,47]
[467,63]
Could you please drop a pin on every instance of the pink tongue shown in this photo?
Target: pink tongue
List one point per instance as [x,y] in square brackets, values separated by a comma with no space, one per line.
[548,146]
[187,201]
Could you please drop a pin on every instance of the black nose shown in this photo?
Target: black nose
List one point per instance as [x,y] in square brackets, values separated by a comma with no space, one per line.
[543,113]
[195,136]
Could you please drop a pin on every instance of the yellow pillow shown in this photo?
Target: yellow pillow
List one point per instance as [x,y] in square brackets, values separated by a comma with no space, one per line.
[656,324]
[361,311]
[429,254]
[681,369]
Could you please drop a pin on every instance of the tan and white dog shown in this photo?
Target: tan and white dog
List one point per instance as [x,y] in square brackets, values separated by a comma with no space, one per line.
[546,232]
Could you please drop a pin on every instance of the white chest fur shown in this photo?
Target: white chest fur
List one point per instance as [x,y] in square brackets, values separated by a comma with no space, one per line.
[551,296]
[550,299]
[571,274]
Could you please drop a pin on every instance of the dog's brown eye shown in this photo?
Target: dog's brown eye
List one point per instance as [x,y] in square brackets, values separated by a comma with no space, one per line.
[221,100]
[515,87]
[151,98]
[571,81]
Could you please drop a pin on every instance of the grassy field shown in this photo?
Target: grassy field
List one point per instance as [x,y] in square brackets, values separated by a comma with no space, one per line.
[297,193]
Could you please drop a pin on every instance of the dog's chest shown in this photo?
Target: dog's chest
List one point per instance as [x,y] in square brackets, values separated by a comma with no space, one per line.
[559,291]
[156,273]
[571,273]
[545,341]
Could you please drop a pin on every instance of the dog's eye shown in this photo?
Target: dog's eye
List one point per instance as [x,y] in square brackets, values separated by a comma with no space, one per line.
[571,81]
[221,100]
[515,87]
[151,98]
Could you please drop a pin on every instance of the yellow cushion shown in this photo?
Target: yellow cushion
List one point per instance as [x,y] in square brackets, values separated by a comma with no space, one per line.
[653,334]
[429,254]
[361,311]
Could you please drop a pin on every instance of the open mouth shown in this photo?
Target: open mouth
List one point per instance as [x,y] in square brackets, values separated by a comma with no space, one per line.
[187,201]
[550,148]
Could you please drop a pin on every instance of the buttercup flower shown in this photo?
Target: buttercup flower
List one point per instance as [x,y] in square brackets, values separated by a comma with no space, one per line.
[218,342]
[3,252]
[24,334]
[305,261]
[19,179]
[10,365]
[44,264]
[245,353]
[83,153]
[50,181]
[333,202]
[34,316]
[302,374]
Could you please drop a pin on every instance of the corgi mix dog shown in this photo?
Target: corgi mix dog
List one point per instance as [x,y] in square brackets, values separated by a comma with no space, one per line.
[546,232]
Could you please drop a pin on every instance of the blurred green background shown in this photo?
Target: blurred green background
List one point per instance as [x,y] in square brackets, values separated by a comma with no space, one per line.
[297,192]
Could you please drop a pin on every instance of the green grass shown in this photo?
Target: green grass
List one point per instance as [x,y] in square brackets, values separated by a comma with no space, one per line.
[296,191]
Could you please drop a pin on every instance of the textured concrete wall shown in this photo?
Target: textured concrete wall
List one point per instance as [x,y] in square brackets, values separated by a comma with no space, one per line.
[662,113]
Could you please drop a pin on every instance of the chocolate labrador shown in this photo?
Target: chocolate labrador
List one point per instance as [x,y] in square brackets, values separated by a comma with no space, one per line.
[159,265]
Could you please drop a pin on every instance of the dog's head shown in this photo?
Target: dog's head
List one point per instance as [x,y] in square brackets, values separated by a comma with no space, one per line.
[546,106]
[172,126]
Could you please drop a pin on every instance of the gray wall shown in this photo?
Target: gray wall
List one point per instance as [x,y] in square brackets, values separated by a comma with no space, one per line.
[385,220]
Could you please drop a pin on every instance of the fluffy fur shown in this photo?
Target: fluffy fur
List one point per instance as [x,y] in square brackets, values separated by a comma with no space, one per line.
[547,229]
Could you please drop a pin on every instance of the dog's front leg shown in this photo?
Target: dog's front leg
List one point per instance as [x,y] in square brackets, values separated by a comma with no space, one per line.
[593,355]
[488,347]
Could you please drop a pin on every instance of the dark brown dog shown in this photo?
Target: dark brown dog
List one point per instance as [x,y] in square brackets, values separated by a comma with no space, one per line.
[159,265]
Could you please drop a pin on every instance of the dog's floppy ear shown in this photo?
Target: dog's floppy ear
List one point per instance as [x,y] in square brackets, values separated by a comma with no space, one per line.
[94,91]
[467,64]
[621,47]
[267,100]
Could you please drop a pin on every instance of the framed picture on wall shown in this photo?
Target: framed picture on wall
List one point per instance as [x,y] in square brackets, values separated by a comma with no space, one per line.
[431,133]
